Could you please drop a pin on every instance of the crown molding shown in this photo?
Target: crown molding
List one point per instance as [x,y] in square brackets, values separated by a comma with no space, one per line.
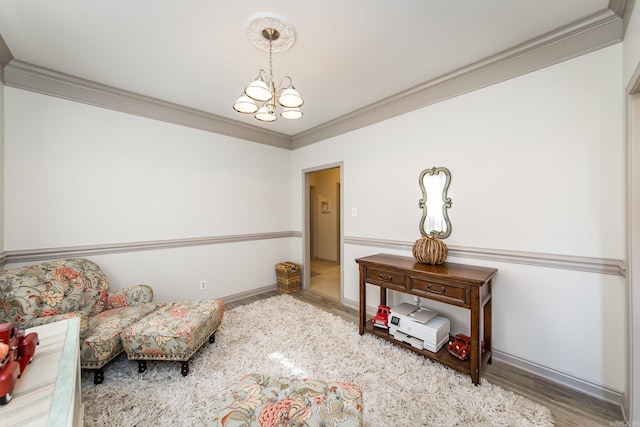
[599,30]
[5,57]
[618,6]
[589,34]
[623,9]
[41,80]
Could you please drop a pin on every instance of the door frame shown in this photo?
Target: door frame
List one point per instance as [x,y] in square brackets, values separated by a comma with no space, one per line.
[306,224]
[631,402]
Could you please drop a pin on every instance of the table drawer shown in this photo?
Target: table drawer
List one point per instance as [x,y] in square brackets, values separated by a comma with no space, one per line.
[386,278]
[438,291]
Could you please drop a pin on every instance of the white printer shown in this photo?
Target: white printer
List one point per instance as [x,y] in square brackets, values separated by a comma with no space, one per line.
[419,327]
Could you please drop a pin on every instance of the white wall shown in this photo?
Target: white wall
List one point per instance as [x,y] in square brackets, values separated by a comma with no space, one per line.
[228,269]
[112,177]
[81,175]
[537,165]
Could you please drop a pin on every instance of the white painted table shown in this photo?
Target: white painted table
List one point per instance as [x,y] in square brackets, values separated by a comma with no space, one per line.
[48,393]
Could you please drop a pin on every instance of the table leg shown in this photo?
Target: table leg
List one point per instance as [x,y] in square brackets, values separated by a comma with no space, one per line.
[363,300]
[476,358]
[487,324]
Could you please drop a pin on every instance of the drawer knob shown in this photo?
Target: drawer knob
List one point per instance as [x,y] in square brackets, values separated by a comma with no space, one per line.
[430,289]
[386,279]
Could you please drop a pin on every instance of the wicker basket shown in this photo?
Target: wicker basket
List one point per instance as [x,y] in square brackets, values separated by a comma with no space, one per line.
[430,250]
[288,275]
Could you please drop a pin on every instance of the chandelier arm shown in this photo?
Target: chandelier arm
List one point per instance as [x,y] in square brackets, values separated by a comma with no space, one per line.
[262,75]
[290,82]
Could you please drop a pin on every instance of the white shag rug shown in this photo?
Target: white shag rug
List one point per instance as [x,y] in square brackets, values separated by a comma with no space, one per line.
[282,336]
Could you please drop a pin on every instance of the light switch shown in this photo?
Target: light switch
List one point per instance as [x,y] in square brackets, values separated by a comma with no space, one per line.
[354,212]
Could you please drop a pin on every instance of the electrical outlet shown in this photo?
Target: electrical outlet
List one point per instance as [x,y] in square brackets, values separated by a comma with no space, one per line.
[203,284]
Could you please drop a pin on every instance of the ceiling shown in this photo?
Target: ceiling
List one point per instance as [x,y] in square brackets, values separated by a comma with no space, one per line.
[348,55]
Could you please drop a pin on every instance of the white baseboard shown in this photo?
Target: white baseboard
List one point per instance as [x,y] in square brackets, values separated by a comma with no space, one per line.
[351,304]
[586,387]
[252,292]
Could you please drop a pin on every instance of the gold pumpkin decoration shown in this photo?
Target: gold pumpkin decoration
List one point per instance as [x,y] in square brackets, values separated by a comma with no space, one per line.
[430,250]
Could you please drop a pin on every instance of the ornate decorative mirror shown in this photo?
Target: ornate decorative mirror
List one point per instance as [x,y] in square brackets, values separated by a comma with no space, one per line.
[434,184]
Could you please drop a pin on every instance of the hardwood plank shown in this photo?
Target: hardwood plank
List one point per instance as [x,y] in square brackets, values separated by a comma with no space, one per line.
[568,407]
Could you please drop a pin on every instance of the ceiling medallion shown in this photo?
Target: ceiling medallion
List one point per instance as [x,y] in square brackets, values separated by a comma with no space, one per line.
[258,23]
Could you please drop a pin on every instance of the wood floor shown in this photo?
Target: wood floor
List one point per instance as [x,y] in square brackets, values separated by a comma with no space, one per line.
[568,407]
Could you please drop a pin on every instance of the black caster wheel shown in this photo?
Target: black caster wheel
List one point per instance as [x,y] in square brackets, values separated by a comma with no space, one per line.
[98,376]
[142,366]
[6,398]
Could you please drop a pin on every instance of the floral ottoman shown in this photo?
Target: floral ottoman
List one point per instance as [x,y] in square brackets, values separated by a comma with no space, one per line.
[262,401]
[174,332]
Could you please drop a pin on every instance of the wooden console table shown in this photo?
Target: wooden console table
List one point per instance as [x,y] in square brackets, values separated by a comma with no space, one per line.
[462,285]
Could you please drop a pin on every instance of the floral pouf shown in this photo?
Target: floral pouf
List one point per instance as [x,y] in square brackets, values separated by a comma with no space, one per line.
[174,332]
[263,401]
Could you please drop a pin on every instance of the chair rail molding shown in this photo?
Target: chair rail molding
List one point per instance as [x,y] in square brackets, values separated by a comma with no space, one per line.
[608,266]
[30,255]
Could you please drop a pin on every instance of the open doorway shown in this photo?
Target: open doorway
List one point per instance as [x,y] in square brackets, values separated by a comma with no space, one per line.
[323,230]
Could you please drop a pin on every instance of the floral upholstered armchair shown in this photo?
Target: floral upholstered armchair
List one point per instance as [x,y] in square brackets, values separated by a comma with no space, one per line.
[262,401]
[76,287]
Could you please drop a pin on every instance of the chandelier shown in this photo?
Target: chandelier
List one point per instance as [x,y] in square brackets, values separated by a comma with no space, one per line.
[260,97]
